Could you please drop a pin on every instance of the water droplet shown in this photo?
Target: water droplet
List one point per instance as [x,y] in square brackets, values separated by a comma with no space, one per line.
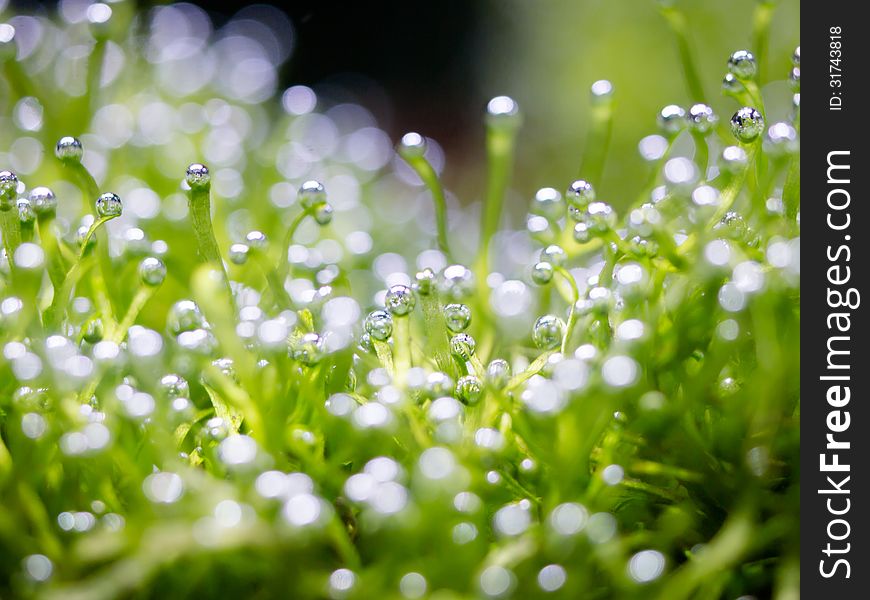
[742,64]
[646,565]
[412,145]
[38,567]
[620,371]
[413,586]
[568,519]
[423,281]
[152,271]
[672,119]
[733,159]
[549,203]
[256,240]
[323,214]
[69,149]
[701,118]
[781,139]
[469,389]
[552,577]
[455,283]
[511,520]
[237,450]
[554,254]
[542,272]
[498,372]
[400,300]
[794,79]
[462,346]
[502,112]
[496,581]
[601,91]
[457,317]
[163,487]
[548,332]
[198,176]
[108,205]
[730,84]
[183,316]
[8,47]
[379,325]
[747,124]
[438,384]
[598,219]
[311,194]
[26,214]
[580,194]
[239,253]
[308,349]
[43,201]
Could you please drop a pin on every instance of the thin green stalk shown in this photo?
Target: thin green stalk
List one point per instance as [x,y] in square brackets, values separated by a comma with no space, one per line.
[761,18]
[677,21]
[402,345]
[702,153]
[430,178]
[598,141]
[51,245]
[284,259]
[143,294]
[500,144]
[791,190]
[572,312]
[199,204]
[11,230]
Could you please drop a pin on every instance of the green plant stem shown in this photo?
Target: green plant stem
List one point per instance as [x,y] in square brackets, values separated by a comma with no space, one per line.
[430,178]
[572,312]
[702,153]
[284,259]
[791,190]
[54,260]
[598,141]
[95,72]
[143,294]
[500,144]
[11,229]
[761,18]
[677,21]
[199,204]
[402,345]
[385,355]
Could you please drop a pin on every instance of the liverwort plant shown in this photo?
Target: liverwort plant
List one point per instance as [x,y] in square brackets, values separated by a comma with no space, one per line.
[233,382]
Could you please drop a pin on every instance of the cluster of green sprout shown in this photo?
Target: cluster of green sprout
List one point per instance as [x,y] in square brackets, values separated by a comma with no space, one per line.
[266,401]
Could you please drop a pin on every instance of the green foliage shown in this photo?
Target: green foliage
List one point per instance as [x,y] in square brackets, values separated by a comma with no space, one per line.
[194,402]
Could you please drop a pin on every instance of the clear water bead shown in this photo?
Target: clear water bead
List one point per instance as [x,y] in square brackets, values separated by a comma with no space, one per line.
[672,119]
[469,389]
[412,145]
[108,205]
[152,271]
[580,194]
[323,213]
[455,283]
[542,273]
[498,372]
[43,201]
[238,253]
[742,64]
[379,325]
[400,300]
[69,149]
[198,176]
[548,332]
[747,124]
[462,346]
[502,112]
[311,194]
[548,202]
[457,317]
[701,118]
